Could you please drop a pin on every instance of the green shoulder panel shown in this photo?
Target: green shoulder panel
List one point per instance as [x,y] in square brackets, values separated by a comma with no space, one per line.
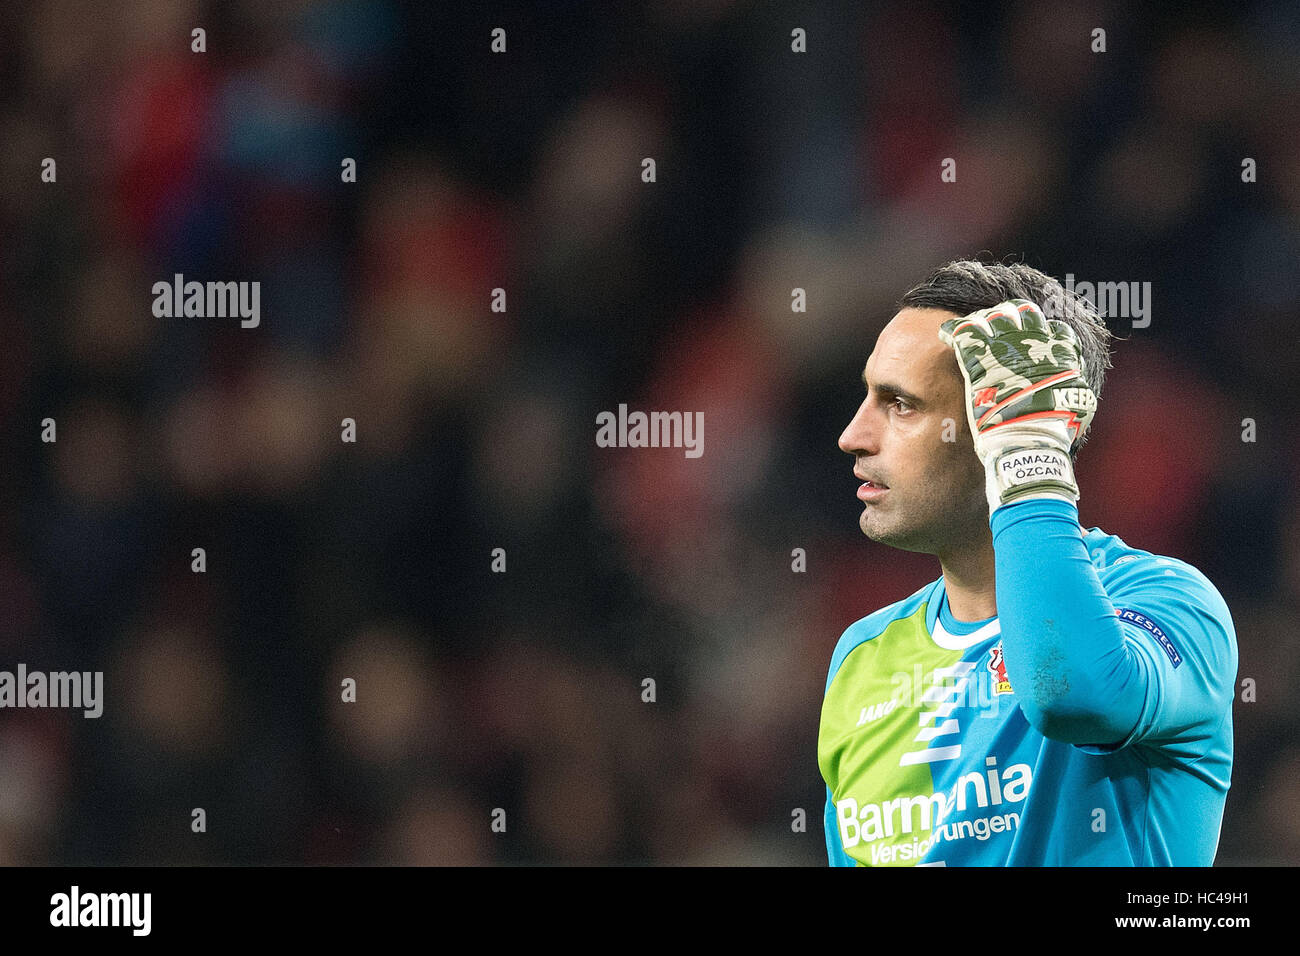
[871,719]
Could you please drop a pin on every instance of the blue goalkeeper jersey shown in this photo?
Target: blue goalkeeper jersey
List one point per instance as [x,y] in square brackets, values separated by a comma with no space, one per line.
[1088,724]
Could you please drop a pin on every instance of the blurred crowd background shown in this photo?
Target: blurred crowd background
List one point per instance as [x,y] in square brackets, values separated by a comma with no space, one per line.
[522,691]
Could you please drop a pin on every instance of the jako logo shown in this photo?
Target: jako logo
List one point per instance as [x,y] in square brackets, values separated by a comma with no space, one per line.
[876,711]
[659,430]
[102,909]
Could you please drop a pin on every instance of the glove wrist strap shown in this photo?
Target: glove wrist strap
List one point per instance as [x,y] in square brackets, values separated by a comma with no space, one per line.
[1036,471]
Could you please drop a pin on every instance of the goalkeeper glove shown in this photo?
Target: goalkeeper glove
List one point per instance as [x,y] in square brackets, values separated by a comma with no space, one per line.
[1027,403]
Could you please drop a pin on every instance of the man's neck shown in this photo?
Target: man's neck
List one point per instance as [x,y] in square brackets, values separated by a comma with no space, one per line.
[968,579]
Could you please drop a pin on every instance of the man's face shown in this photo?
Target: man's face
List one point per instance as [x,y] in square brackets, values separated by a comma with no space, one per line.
[934,489]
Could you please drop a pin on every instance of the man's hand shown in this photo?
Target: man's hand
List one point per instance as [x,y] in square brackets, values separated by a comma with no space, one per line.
[1027,403]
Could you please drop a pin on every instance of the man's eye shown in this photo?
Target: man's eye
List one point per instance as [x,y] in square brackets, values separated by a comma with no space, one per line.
[901,405]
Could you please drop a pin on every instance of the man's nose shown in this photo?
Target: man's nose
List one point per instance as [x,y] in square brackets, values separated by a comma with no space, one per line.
[861,436]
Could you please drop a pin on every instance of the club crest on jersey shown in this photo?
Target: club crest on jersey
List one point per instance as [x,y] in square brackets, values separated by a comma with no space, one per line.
[998,667]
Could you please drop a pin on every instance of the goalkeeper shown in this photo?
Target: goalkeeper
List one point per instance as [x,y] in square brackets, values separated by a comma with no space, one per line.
[1056,697]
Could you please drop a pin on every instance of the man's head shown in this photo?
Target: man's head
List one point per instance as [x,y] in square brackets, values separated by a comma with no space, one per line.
[910,434]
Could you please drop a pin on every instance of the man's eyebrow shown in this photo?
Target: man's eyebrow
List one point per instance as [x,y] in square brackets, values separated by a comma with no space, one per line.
[893,390]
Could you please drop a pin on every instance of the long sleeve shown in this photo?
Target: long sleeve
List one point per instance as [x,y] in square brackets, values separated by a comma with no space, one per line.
[1078,679]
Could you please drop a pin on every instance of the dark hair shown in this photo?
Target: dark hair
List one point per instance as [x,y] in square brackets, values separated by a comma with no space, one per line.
[965,286]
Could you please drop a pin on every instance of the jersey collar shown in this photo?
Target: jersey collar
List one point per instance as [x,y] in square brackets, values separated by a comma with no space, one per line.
[946,638]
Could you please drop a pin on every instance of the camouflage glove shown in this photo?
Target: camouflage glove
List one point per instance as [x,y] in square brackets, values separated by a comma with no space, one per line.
[1027,403]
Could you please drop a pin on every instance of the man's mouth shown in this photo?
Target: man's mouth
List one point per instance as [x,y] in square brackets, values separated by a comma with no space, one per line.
[870,490]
